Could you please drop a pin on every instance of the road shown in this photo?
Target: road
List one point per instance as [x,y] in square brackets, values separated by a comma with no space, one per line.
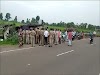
[80,59]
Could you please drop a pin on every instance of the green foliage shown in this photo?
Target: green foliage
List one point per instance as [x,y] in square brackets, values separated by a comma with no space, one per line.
[23,21]
[33,20]
[2,23]
[12,40]
[1,16]
[37,19]
[7,16]
[15,19]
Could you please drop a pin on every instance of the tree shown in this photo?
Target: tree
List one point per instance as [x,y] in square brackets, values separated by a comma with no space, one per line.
[37,19]
[70,24]
[15,19]
[27,21]
[33,20]
[22,21]
[1,16]
[7,16]
[42,22]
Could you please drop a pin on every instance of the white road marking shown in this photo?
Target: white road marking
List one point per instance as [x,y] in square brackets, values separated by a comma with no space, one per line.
[99,73]
[65,52]
[16,50]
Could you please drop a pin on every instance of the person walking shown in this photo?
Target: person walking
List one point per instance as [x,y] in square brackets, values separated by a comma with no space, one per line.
[70,37]
[46,34]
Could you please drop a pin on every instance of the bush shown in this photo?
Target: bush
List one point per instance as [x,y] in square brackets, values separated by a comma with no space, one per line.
[12,40]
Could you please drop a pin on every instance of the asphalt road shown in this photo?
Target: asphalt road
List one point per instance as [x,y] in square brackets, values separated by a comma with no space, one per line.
[80,59]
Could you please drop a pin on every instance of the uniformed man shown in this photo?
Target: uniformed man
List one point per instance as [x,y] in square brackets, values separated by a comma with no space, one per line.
[24,34]
[37,36]
[41,37]
[32,37]
[51,37]
[27,36]
[56,37]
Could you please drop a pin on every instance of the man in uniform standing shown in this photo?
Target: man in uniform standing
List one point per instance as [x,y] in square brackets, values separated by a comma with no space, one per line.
[41,37]
[37,36]
[51,37]
[27,36]
[24,34]
[32,37]
[56,37]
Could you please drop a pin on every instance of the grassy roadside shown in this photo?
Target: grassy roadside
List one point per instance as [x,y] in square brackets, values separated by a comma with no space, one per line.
[2,22]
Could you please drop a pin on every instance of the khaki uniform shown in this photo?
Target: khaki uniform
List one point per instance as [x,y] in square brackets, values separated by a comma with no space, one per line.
[41,37]
[56,37]
[51,38]
[32,37]
[27,36]
[37,36]
[24,34]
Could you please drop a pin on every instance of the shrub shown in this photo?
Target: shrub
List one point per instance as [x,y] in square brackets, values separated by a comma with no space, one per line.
[12,40]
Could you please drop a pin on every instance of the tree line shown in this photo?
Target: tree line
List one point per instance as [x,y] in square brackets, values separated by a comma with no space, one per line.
[60,24]
[8,17]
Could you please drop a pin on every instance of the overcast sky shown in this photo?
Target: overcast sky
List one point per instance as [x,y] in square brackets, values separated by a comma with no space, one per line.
[54,11]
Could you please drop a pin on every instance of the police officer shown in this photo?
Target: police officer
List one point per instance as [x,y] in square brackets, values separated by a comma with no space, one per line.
[56,37]
[41,37]
[37,36]
[27,36]
[51,37]
[24,34]
[32,37]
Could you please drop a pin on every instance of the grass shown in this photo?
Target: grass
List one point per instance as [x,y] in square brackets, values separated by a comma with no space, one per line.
[63,28]
[2,22]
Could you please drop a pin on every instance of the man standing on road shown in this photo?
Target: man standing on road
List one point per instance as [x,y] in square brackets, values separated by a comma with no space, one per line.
[24,36]
[51,37]
[37,36]
[46,34]
[32,37]
[66,35]
[59,36]
[56,37]
[70,37]
[41,37]
[20,35]
[27,36]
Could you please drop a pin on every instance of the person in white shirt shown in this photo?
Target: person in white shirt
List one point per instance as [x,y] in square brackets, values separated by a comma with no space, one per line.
[46,34]
[66,36]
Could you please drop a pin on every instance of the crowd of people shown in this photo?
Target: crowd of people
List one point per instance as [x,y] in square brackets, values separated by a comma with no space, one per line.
[45,37]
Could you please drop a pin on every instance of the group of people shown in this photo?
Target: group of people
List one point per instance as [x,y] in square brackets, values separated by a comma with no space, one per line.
[44,37]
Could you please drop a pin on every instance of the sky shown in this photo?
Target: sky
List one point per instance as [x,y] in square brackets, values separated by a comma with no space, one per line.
[54,11]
